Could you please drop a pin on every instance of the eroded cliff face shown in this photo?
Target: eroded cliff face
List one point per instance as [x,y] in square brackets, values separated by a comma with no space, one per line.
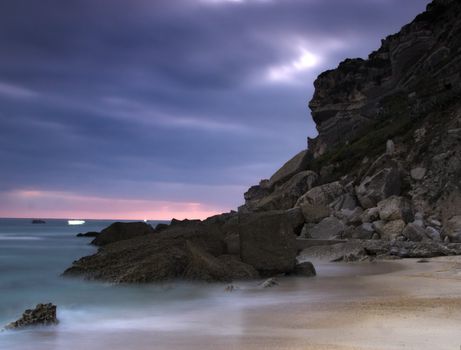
[389,137]
[419,67]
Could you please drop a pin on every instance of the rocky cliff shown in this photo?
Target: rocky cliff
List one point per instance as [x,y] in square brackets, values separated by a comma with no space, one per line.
[413,72]
[384,173]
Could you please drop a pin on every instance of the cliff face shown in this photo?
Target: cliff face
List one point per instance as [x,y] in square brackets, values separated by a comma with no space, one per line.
[421,65]
[388,126]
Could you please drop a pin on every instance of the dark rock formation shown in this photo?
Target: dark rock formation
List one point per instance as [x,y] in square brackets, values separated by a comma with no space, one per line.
[42,315]
[411,71]
[305,269]
[267,241]
[38,221]
[88,234]
[119,231]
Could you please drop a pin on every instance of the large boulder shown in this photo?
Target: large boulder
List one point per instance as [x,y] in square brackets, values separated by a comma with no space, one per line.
[42,315]
[119,231]
[453,229]
[328,228]
[285,195]
[395,208]
[415,233]
[267,242]
[381,185]
[389,230]
[295,165]
[315,202]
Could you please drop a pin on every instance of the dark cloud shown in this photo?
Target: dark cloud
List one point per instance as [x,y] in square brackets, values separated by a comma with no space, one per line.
[168,100]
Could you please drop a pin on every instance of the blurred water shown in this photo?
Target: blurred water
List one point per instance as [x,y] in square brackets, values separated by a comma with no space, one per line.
[96,315]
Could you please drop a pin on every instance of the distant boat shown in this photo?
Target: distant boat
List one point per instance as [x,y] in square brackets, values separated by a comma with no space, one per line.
[38,221]
[75,222]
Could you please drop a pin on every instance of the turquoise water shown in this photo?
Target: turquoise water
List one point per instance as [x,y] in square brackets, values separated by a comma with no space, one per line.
[102,316]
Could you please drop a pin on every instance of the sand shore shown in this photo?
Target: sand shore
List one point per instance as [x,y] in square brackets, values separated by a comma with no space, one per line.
[416,307]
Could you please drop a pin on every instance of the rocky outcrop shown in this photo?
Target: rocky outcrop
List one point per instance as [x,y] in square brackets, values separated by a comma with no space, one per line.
[42,315]
[119,231]
[421,63]
[267,241]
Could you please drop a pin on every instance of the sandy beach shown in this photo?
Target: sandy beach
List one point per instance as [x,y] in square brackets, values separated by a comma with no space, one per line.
[416,307]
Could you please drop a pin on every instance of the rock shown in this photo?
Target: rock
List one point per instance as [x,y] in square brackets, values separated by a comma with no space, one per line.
[268,241]
[396,79]
[419,219]
[364,231]
[345,201]
[269,283]
[42,315]
[38,221]
[305,230]
[378,187]
[305,269]
[295,165]
[389,230]
[315,202]
[205,267]
[119,231]
[328,228]
[88,234]
[390,147]
[370,215]
[433,234]
[353,217]
[395,208]
[418,173]
[232,244]
[284,196]
[453,229]
[415,233]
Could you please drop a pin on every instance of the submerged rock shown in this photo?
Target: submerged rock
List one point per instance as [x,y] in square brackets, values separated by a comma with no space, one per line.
[269,283]
[42,315]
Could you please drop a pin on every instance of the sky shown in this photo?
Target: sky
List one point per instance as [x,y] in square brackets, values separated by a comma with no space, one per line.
[154,109]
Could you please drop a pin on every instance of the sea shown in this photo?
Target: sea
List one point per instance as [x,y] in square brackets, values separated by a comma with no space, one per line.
[173,315]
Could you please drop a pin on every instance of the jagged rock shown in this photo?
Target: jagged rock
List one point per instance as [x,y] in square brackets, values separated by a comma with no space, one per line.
[415,233]
[395,208]
[353,217]
[433,234]
[119,231]
[295,165]
[389,230]
[453,229]
[422,60]
[88,234]
[381,185]
[267,242]
[328,228]
[370,215]
[205,267]
[345,201]
[305,269]
[42,315]
[364,231]
[285,195]
[418,173]
[314,203]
